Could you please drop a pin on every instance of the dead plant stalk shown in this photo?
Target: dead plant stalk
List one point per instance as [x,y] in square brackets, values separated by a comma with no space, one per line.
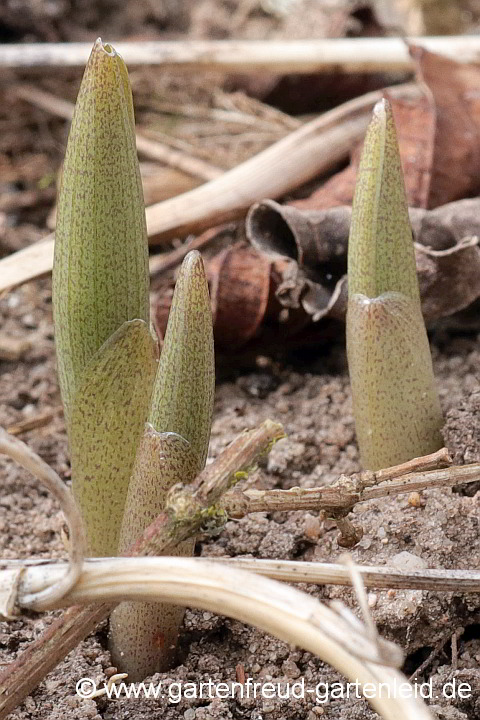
[188,510]
[303,154]
[151,149]
[345,55]
[36,576]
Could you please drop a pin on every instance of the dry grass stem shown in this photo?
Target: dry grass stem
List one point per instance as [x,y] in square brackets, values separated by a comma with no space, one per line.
[335,635]
[151,149]
[193,506]
[305,153]
[165,262]
[462,581]
[37,574]
[365,55]
[31,423]
[24,456]
[189,509]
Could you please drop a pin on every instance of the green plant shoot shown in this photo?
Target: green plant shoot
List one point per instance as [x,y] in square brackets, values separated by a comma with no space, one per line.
[396,406]
[174,448]
[110,377]
[106,355]
[100,277]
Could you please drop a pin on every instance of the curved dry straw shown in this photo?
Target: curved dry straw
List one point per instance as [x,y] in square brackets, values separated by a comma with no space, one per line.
[24,456]
[293,616]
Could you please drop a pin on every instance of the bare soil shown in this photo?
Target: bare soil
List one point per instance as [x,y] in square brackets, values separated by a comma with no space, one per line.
[313,402]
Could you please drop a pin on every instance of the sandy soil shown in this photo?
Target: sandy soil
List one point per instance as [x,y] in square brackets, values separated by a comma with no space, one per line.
[314,404]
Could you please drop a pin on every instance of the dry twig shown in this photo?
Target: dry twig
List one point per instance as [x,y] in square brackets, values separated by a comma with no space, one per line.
[24,456]
[418,474]
[333,633]
[365,55]
[151,149]
[187,512]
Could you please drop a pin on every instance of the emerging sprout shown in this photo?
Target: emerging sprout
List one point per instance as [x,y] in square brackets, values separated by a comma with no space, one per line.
[105,353]
[173,450]
[100,277]
[396,406]
[110,378]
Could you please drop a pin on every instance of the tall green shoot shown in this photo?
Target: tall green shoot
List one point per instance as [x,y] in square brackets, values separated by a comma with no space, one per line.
[110,378]
[396,406]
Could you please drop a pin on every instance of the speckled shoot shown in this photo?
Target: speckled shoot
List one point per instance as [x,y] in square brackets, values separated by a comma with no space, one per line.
[396,406]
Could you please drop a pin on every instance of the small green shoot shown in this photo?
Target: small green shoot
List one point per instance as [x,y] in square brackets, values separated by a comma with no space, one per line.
[173,450]
[396,406]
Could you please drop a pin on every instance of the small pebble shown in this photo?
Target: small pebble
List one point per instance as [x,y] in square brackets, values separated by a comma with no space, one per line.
[372,600]
[312,527]
[29,321]
[30,705]
[415,499]
[408,561]
[291,669]
[13,301]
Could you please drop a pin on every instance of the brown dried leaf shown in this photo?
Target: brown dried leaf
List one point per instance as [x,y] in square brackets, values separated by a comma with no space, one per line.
[336,191]
[438,135]
[455,170]
[415,122]
[240,290]
[295,272]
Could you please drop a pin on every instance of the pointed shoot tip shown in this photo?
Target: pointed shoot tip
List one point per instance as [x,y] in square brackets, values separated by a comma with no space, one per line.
[100,46]
[193,262]
[381,109]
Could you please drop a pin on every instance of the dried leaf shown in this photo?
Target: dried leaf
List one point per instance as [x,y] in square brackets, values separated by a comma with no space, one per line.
[415,120]
[438,135]
[309,238]
[336,191]
[246,311]
[455,169]
[240,287]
